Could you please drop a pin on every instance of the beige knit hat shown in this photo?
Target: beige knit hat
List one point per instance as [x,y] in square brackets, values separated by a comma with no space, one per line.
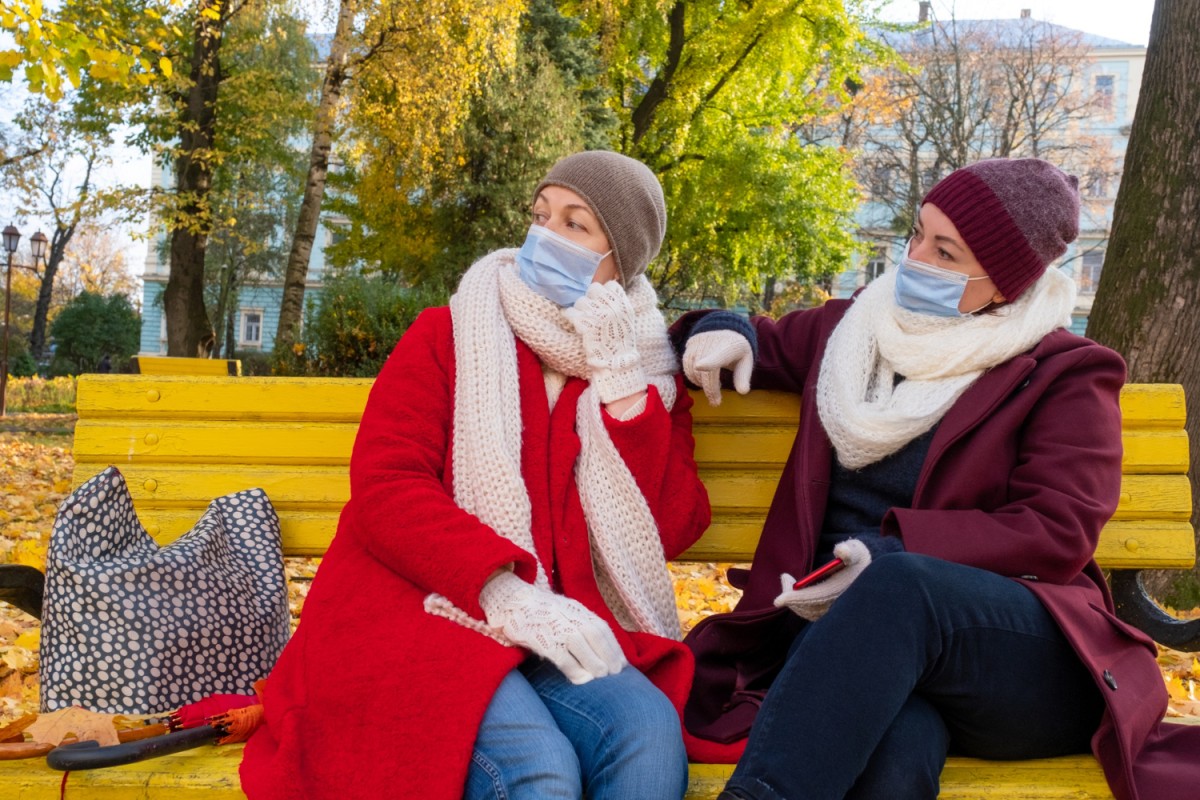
[625,196]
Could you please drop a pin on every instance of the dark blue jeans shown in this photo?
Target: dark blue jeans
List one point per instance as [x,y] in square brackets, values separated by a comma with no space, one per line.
[919,658]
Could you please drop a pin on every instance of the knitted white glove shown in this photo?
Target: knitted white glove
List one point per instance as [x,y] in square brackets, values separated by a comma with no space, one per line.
[604,318]
[812,602]
[707,353]
[554,627]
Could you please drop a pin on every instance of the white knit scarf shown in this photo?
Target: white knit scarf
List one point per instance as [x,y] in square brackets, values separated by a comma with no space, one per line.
[867,415]
[490,310]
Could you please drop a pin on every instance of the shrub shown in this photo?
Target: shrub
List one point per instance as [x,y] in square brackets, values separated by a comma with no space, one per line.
[254,362]
[92,326]
[23,366]
[355,326]
[41,395]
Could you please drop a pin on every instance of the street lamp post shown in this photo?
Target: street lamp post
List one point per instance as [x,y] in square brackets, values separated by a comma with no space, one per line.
[37,244]
[12,237]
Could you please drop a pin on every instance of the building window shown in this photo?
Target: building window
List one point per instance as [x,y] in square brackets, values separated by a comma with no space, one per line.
[251,328]
[1105,87]
[1089,271]
[162,335]
[876,264]
[1097,184]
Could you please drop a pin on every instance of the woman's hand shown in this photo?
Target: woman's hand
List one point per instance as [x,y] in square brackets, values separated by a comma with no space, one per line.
[554,627]
[604,318]
[812,602]
[707,353]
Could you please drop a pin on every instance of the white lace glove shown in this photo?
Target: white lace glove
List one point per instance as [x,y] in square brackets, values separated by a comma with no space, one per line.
[554,627]
[812,602]
[604,318]
[707,353]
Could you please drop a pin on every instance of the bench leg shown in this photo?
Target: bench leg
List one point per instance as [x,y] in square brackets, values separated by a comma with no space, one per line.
[22,586]
[1136,607]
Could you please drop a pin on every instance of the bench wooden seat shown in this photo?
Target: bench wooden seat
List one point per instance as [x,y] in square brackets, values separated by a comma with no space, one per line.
[172,365]
[183,440]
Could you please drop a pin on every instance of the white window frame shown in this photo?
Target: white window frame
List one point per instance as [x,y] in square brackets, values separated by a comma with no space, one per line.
[244,341]
[875,265]
[1106,99]
[1091,263]
[162,334]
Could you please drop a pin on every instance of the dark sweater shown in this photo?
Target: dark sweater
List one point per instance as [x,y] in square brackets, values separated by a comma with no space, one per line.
[859,499]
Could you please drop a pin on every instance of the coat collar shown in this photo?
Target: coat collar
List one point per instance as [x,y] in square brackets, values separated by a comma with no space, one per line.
[974,406]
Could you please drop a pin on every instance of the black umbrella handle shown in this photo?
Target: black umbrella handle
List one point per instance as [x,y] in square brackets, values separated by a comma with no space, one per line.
[90,755]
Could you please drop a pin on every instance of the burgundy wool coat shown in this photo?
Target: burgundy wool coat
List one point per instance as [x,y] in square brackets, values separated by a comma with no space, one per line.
[1022,473]
[374,697]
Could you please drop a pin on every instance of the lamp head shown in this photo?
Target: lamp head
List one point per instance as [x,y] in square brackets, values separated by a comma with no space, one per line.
[11,237]
[37,243]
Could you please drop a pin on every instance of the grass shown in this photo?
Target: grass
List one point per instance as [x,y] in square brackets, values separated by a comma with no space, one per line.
[41,395]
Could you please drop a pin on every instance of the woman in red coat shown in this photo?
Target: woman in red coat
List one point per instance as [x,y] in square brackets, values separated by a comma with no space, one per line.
[494,617]
[959,452]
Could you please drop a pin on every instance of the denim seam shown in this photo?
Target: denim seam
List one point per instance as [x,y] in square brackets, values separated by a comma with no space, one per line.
[487,766]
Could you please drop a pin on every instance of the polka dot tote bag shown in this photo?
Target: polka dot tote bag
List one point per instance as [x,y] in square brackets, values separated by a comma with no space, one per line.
[129,627]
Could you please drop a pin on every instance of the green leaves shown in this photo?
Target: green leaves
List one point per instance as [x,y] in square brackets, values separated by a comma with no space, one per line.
[709,94]
[56,48]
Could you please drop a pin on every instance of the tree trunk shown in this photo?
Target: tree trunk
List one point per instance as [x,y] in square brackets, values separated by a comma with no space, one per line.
[294,279]
[1148,301]
[189,331]
[58,247]
[659,88]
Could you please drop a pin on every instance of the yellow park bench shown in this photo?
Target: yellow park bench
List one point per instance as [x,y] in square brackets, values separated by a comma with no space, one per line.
[171,365]
[182,440]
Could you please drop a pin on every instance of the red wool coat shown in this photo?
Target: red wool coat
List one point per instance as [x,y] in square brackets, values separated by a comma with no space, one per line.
[1022,473]
[374,697]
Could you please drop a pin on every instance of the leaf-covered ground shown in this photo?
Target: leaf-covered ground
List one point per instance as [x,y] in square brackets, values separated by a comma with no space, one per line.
[35,476]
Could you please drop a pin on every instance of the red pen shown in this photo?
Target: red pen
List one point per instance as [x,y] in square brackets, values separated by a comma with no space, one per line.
[819,573]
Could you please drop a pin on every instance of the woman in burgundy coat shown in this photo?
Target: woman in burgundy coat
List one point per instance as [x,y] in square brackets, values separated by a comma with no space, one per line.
[494,618]
[959,452]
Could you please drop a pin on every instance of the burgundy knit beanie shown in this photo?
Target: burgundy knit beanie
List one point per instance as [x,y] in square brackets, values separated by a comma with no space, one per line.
[1016,214]
[625,196]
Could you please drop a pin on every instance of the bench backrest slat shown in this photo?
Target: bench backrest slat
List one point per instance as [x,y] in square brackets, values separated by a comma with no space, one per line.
[182,440]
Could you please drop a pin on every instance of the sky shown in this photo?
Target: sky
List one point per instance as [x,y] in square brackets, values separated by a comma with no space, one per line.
[1123,20]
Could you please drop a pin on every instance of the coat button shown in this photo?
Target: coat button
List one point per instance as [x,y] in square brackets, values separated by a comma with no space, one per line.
[1110,680]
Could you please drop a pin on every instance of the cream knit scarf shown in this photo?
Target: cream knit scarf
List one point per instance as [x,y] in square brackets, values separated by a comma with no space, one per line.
[867,415]
[490,310]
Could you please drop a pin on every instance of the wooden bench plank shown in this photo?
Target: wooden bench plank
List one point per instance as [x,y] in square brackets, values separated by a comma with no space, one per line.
[1153,405]
[1123,545]
[187,397]
[1142,404]
[177,440]
[327,486]
[210,773]
[168,365]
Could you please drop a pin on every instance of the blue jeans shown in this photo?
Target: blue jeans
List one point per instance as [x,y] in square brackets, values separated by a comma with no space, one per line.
[543,738]
[919,658]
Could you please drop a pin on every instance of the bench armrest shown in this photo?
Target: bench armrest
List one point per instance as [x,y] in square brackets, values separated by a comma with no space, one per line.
[22,586]
[1135,606]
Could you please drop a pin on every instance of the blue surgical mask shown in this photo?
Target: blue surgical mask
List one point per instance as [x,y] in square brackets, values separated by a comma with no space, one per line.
[555,267]
[929,289]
